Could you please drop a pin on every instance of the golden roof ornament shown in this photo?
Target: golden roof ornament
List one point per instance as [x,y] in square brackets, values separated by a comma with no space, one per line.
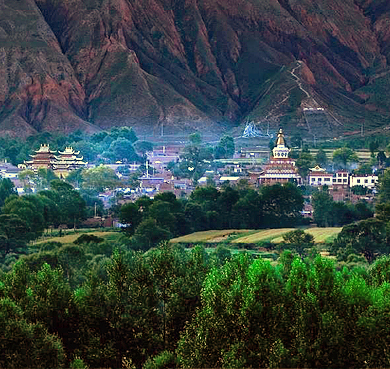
[280,140]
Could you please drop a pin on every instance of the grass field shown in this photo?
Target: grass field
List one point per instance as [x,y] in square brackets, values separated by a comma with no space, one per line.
[263,235]
[208,236]
[321,235]
[69,238]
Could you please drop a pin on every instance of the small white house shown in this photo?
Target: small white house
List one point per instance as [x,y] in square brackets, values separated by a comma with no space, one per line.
[319,177]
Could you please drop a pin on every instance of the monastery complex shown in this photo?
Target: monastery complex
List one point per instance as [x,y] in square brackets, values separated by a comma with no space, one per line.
[61,164]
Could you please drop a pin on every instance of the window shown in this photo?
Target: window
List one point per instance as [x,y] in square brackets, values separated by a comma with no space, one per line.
[327,179]
[339,180]
[358,181]
[372,180]
[366,181]
[344,180]
[345,174]
[319,179]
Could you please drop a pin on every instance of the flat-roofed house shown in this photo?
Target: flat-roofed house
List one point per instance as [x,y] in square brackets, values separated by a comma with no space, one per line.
[320,177]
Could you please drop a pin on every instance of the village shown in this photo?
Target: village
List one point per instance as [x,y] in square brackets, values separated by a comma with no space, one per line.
[246,168]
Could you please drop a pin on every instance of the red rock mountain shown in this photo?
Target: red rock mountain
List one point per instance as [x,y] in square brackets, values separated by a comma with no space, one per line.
[193,64]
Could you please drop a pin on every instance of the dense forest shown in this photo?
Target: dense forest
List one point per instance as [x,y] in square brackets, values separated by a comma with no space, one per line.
[172,307]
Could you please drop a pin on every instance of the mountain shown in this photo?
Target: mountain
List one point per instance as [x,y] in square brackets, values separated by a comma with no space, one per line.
[179,65]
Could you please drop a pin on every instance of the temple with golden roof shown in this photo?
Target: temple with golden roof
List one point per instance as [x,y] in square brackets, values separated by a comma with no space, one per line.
[62,164]
[43,158]
[281,168]
[67,161]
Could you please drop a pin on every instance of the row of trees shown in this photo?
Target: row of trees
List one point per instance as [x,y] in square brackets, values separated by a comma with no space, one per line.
[330,213]
[172,308]
[116,144]
[24,218]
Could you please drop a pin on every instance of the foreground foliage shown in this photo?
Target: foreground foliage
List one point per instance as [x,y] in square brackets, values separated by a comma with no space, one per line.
[70,306]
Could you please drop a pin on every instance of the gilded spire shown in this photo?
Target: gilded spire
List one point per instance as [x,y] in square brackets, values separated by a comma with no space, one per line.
[280,150]
[280,140]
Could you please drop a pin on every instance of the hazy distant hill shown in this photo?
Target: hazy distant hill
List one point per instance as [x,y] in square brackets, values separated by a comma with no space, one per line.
[184,64]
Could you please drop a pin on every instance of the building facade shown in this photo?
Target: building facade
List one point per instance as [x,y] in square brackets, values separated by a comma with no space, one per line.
[368,181]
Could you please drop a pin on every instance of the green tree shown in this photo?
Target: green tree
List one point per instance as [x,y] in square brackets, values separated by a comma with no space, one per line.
[321,158]
[72,207]
[27,176]
[304,163]
[7,188]
[363,210]
[206,196]
[225,148]
[344,156]
[75,178]
[381,157]
[132,301]
[30,209]
[195,158]
[130,214]
[14,234]
[241,298]
[383,204]
[87,149]
[322,208]
[281,205]
[123,132]
[363,169]
[296,140]
[148,234]
[143,147]
[247,212]
[43,178]
[196,216]
[373,146]
[359,190]
[384,186]
[99,178]
[122,149]
[225,203]
[298,240]
[25,344]
[368,237]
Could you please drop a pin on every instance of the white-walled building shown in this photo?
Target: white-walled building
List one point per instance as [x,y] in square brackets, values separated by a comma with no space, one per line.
[341,178]
[319,177]
[369,180]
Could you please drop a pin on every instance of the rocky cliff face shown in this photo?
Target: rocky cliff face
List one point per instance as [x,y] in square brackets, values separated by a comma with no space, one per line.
[92,64]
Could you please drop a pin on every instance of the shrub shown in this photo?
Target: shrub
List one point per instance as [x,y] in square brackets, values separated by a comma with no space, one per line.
[87,238]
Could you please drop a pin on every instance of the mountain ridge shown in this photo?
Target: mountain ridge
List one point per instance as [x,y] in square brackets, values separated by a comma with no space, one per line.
[192,64]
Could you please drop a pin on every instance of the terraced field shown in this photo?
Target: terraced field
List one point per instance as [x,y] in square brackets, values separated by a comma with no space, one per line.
[321,235]
[263,235]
